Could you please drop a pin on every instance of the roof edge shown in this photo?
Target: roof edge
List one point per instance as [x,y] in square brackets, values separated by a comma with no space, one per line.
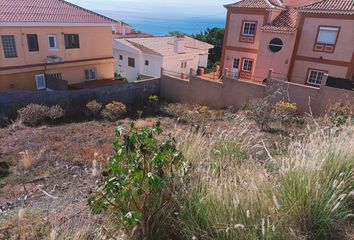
[92,12]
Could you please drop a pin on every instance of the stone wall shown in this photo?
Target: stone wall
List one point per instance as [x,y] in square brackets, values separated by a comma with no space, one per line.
[74,101]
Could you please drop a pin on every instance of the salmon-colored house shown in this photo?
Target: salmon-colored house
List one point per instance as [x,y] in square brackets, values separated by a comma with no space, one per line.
[301,40]
[41,39]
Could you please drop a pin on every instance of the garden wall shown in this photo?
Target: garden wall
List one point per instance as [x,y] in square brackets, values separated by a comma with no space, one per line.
[212,93]
[237,93]
[74,101]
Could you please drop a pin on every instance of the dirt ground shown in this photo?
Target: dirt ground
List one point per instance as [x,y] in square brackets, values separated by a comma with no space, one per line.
[51,169]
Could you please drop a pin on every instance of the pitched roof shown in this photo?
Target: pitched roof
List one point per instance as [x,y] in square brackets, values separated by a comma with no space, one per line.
[284,23]
[164,46]
[56,11]
[143,48]
[330,6]
[263,4]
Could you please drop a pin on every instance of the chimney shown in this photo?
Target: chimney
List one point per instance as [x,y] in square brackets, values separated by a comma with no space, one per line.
[179,44]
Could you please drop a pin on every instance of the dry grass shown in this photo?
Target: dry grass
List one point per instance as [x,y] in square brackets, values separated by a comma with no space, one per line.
[305,195]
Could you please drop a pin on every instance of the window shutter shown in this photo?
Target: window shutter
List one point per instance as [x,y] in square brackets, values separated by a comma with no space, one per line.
[67,41]
[327,35]
[87,74]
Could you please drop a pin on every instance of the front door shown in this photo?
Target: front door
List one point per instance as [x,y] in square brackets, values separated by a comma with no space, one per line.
[235,68]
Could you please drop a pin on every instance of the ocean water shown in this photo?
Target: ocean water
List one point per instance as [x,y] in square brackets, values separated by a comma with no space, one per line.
[162,24]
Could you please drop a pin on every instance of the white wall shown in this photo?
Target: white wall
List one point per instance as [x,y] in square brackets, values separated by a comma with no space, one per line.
[173,63]
[155,64]
[203,60]
[121,67]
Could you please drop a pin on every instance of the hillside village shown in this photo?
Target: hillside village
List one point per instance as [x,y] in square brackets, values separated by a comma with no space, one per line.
[238,133]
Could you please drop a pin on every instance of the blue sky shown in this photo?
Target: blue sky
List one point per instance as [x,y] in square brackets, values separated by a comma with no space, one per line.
[161,16]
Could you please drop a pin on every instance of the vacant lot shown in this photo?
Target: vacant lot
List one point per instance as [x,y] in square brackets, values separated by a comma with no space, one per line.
[51,175]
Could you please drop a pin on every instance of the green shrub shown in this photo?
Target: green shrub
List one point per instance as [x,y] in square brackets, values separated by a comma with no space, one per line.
[113,111]
[341,113]
[142,181]
[93,109]
[314,203]
[153,99]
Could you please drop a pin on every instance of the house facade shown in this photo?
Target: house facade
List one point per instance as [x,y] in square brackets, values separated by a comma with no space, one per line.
[300,40]
[52,38]
[146,56]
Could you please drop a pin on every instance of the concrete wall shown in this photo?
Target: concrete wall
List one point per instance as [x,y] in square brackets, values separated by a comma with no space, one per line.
[237,93]
[74,102]
[319,99]
[214,94]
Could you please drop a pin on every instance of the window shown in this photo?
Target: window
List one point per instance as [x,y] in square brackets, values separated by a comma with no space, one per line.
[32,41]
[146,62]
[131,62]
[315,77]
[40,82]
[247,65]
[9,45]
[249,28]
[184,64]
[71,41]
[275,45]
[236,64]
[52,42]
[327,35]
[56,75]
[121,57]
[90,74]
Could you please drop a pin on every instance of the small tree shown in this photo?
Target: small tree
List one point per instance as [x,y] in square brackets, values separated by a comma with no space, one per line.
[261,112]
[141,181]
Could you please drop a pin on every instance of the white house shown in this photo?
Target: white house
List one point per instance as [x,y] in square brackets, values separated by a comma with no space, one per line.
[146,56]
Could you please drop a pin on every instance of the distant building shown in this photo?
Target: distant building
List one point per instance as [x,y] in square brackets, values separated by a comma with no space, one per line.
[301,40]
[146,56]
[52,39]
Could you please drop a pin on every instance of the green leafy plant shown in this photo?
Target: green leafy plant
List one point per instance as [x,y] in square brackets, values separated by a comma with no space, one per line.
[113,111]
[153,99]
[142,181]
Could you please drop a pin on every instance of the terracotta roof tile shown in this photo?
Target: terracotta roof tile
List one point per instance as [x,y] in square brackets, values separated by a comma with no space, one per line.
[48,11]
[164,46]
[330,6]
[143,48]
[256,4]
[285,22]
